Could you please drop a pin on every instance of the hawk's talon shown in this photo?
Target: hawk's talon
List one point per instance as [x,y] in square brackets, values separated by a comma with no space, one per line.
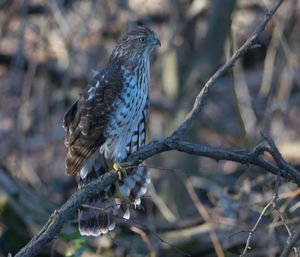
[119,194]
[119,167]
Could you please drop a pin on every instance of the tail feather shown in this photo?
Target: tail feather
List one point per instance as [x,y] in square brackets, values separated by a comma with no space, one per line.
[122,208]
[135,185]
[96,219]
[99,217]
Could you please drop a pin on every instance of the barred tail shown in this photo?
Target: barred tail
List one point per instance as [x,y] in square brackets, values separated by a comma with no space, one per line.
[135,185]
[99,216]
[96,219]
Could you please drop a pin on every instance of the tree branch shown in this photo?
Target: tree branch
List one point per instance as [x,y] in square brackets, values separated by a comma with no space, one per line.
[241,156]
[64,213]
[67,211]
[291,244]
[200,99]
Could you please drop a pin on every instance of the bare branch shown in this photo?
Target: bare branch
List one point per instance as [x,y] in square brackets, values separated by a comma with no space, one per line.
[64,213]
[244,157]
[273,150]
[287,229]
[205,215]
[247,246]
[200,99]
[291,244]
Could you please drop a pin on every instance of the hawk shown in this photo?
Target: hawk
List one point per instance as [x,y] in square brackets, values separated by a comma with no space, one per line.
[105,124]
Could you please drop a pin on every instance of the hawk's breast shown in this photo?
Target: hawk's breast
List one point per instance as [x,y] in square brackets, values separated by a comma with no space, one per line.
[127,109]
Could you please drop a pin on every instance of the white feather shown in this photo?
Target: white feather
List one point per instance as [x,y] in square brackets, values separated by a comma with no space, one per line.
[142,191]
[91,96]
[112,226]
[138,201]
[104,230]
[126,214]
[117,203]
[87,166]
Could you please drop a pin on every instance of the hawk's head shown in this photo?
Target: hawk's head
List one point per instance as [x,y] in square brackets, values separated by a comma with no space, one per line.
[135,44]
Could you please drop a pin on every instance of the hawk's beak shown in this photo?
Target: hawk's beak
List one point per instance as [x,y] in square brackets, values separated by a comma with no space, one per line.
[156,41]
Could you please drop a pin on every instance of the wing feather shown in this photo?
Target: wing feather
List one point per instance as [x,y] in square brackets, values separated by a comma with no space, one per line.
[86,119]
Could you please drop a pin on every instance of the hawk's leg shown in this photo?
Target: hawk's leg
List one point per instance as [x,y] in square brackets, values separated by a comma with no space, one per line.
[119,194]
[120,168]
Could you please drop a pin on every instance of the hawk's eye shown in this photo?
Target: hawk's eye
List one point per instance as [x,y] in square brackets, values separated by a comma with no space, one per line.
[142,39]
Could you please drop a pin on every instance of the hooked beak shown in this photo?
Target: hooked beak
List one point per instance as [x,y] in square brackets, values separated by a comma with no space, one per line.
[156,41]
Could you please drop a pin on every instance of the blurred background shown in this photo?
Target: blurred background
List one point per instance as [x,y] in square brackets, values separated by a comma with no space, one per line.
[48,51]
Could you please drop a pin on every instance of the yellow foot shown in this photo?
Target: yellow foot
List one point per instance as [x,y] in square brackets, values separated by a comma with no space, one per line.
[119,167]
[118,194]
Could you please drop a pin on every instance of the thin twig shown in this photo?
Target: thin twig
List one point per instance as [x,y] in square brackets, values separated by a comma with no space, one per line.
[146,228]
[247,246]
[276,197]
[273,150]
[287,229]
[291,244]
[272,203]
[200,99]
[145,238]
[203,212]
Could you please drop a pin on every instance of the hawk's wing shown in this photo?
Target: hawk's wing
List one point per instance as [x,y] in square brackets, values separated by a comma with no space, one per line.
[86,119]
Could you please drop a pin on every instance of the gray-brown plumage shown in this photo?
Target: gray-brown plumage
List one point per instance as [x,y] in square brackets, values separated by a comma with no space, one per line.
[106,123]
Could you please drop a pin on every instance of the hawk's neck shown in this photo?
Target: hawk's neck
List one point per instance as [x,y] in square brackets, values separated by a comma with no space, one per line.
[130,62]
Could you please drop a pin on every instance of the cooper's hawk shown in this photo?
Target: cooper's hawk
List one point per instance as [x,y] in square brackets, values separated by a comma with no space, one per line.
[105,124]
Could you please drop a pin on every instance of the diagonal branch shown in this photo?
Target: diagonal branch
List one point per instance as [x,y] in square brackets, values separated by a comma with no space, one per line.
[243,157]
[291,244]
[68,210]
[200,99]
